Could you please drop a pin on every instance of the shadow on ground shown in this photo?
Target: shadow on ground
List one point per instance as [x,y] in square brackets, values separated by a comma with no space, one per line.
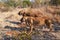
[18,29]
[13,22]
[35,36]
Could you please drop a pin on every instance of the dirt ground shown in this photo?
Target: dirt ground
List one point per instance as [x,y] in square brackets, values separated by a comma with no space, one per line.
[11,19]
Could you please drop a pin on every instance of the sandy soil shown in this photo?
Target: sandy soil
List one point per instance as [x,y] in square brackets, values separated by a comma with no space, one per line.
[10,18]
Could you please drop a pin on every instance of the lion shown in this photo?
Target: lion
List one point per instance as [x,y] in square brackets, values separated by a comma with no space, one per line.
[30,12]
[37,21]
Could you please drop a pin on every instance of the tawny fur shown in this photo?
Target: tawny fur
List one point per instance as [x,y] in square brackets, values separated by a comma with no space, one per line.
[30,12]
[34,17]
[34,21]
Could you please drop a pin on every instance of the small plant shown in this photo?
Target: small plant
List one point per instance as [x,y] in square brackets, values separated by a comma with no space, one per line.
[12,3]
[26,3]
[18,36]
[24,36]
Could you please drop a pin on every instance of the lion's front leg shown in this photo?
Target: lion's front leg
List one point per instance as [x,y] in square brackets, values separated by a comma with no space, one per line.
[51,27]
[31,26]
[31,29]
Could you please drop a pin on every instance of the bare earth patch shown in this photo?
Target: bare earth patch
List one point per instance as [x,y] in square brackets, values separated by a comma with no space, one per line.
[11,19]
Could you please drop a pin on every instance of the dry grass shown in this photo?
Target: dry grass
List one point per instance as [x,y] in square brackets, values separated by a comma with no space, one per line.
[9,18]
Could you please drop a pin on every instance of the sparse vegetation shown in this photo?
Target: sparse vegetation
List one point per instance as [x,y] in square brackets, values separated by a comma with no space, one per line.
[18,36]
[55,2]
[12,3]
[29,19]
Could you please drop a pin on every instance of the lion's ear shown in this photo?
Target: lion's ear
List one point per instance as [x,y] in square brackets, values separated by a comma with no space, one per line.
[18,13]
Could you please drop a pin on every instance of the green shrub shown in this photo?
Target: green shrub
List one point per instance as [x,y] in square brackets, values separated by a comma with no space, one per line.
[22,36]
[26,3]
[55,2]
[12,3]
